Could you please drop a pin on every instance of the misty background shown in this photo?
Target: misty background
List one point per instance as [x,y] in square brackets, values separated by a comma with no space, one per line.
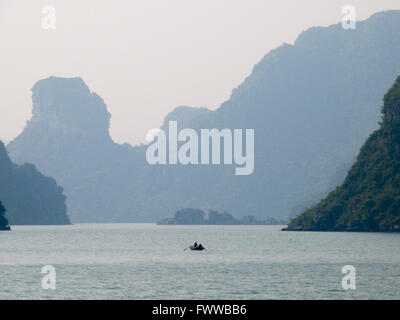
[147,57]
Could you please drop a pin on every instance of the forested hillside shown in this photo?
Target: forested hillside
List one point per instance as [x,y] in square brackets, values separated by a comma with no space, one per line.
[369,198]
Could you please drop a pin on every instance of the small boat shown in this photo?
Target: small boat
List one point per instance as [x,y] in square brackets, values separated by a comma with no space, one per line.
[197,248]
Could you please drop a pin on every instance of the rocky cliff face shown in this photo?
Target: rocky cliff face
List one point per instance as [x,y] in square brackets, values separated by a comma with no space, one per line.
[68,138]
[68,122]
[67,107]
[28,196]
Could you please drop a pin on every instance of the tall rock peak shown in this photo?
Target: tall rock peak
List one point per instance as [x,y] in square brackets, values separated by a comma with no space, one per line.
[67,106]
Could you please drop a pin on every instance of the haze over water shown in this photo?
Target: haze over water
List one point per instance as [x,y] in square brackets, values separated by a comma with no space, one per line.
[146,261]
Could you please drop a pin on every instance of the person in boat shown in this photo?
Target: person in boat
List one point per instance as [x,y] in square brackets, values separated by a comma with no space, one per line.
[201,246]
[195,245]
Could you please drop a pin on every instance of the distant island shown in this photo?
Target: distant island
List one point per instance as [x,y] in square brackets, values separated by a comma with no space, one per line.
[369,198]
[189,216]
[3,220]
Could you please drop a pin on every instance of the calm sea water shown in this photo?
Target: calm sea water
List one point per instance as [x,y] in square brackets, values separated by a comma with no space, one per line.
[146,261]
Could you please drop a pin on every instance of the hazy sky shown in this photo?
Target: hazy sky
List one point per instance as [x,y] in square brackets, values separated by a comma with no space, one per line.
[145,57]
